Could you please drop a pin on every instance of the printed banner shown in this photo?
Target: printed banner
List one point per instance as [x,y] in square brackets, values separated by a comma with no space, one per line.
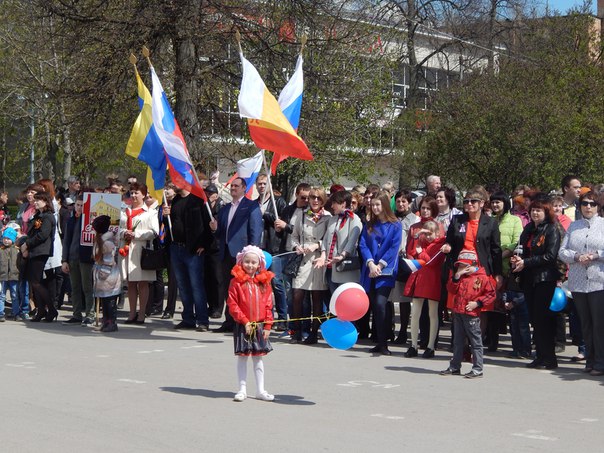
[96,204]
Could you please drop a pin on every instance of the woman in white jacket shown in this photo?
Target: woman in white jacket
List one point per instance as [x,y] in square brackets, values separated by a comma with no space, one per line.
[583,250]
[138,227]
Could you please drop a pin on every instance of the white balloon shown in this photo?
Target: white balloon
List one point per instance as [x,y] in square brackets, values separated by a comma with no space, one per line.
[339,290]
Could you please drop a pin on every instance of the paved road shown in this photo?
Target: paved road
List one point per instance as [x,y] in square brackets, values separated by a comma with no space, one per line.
[152,389]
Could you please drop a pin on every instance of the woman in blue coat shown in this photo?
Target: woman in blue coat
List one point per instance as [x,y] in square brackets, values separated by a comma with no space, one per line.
[379,245]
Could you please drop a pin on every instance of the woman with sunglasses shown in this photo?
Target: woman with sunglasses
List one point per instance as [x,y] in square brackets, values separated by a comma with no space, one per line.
[307,237]
[540,241]
[474,231]
[583,250]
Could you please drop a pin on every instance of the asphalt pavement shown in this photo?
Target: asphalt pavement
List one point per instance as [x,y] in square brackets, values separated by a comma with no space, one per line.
[150,388]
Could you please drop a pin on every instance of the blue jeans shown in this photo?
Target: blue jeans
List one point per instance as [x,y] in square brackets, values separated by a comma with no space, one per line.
[467,326]
[21,301]
[519,324]
[279,286]
[188,270]
[12,287]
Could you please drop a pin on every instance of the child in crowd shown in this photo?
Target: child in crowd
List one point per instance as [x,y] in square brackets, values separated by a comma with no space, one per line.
[9,273]
[425,284]
[250,304]
[20,310]
[472,290]
[107,281]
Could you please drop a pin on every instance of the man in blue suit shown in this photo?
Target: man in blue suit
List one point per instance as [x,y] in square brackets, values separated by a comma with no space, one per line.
[239,224]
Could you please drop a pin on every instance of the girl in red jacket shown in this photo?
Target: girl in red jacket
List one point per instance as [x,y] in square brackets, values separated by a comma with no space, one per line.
[472,290]
[425,245]
[250,304]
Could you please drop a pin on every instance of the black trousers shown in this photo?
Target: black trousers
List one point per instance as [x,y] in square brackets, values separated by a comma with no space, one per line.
[539,298]
[226,265]
[34,270]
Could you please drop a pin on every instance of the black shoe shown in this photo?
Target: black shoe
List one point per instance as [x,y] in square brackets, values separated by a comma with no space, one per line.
[51,316]
[428,353]
[131,321]
[202,328]
[156,313]
[450,372]
[224,328]
[411,352]
[167,315]
[184,326]
[537,363]
[215,315]
[380,349]
[472,375]
[139,321]
[73,321]
[551,365]
[311,339]
[110,326]
[280,326]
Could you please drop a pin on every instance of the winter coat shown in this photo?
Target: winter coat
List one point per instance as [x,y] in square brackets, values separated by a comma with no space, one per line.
[584,236]
[250,299]
[107,279]
[8,264]
[347,240]
[540,246]
[476,287]
[426,282]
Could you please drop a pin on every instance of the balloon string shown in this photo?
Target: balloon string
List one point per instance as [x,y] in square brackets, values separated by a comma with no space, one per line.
[255,324]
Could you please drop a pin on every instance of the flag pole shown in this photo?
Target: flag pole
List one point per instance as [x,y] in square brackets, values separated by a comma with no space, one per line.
[270,186]
[147,54]
[165,203]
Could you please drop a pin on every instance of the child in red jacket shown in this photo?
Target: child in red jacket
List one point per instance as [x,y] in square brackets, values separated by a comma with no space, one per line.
[472,290]
[425,284]
[250,303]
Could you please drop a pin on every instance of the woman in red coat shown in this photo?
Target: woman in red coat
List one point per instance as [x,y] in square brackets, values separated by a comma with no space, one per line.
[425,283]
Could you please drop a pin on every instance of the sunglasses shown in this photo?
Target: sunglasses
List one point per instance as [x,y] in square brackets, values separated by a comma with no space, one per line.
[315,197]
[472,200]
[593,204]
[304,198]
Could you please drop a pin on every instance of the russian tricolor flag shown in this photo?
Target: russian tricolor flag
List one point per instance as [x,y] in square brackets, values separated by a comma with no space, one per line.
[181,168]
[269,128]
[290,101]
[413,265]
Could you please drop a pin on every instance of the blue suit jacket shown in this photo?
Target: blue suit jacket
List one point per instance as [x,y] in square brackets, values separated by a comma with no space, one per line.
[245,228]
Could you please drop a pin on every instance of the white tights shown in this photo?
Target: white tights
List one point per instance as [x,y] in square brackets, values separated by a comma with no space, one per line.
[416,312]
[258,371]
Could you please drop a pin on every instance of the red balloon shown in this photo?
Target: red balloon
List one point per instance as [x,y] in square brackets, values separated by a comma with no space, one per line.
[352,304]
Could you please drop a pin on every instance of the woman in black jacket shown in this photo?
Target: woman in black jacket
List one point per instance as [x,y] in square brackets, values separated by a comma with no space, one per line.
[36,249]
[540,241]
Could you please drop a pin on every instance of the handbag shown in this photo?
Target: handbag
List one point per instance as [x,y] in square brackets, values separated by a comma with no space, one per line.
[153,259]
[350,263]
[293,265]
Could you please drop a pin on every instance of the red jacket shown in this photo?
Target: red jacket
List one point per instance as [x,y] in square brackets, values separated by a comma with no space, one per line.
[425,283]
[250,299]
[476,287]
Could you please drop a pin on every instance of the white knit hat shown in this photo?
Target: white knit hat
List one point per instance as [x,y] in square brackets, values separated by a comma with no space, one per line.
[256,251]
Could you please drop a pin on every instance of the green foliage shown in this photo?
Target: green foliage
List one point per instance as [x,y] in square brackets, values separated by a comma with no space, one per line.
[539,118]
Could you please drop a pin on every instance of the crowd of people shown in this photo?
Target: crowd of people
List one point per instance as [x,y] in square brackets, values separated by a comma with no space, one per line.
[490,261]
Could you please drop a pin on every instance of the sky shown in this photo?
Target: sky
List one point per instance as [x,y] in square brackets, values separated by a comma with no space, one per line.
[564,5]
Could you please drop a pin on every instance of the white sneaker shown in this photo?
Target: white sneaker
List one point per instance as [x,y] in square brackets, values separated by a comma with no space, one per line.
[265,396]
[239,396]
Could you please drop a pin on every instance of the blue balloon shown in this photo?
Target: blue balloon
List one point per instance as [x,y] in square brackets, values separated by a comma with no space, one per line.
[339,334]
[558,301]
[268,258]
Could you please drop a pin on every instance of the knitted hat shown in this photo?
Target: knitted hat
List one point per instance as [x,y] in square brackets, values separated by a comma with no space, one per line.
[9,233]
[256,251]
[467,257]
[101,224]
